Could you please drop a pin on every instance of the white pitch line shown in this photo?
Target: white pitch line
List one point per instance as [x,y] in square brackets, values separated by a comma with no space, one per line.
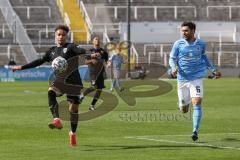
[186,143]
[187,135]
[33,92]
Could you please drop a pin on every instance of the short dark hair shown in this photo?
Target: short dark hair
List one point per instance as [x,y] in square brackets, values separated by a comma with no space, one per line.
[63,27]
[191,25]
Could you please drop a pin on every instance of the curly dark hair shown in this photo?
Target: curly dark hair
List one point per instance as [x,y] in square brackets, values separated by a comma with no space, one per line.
[63,27]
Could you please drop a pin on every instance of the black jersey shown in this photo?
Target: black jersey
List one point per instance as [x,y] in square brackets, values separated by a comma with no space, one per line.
[70,52]
[96,70]
[103,54]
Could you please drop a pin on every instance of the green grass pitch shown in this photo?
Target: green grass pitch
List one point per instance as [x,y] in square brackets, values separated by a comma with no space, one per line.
[152,130]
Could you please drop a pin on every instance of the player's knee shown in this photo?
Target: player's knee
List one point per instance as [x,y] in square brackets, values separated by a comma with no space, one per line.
[55,90]
[51,93]
[196,101]
[73,108]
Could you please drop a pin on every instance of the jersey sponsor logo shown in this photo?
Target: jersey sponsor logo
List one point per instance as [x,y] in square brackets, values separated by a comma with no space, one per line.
[64,50]
[78,46]
[53,53]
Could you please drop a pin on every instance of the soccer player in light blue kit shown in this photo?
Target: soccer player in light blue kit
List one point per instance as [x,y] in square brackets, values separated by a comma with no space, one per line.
[116,61]
[189,62]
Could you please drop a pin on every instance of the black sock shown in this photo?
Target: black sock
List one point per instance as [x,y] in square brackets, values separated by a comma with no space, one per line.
[96,96]
[94,101]
[73,127]
[74,121]
[53,105]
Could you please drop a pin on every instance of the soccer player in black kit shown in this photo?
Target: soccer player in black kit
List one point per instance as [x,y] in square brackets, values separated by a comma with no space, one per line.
[96,71]
[70,52]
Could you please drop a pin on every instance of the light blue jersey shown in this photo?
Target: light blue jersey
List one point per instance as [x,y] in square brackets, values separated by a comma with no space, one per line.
[116,60]
[190,60]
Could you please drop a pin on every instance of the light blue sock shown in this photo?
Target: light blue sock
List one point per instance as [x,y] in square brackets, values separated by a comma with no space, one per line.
[113,84]
[197,115]
[111,88]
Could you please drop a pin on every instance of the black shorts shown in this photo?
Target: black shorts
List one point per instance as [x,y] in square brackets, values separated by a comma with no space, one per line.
[98,84]
[73,99]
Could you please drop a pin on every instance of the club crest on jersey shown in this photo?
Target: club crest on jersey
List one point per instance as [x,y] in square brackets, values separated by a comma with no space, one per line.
[198,48]
[64,50]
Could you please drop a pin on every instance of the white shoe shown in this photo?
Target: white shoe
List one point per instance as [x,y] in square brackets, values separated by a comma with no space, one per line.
[92,108]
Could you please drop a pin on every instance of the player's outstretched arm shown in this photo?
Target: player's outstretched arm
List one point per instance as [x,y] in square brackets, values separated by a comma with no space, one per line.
[32,64]
[78,50]
[16,68]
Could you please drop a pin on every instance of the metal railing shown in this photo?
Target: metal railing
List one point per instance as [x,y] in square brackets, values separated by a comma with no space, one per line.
[95,27]
[106,27]
[220,35]
[21,36]
[213,0]
[134,53]
[165,54]
[39,27]
[160,46]
[7,52]
[86,19]
[48,28]
[135,9]
[71,34]
[63,13]
[98,27]
[85,15]
[220,58]
[4,29]
[29,8]
[132,1]
[227,7]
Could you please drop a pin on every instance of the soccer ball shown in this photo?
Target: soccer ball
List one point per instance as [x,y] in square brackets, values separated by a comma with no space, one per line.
[59,65]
